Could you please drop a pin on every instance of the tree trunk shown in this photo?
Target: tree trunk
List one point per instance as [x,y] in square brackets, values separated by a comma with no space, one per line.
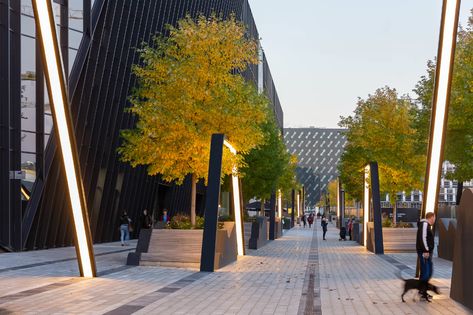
[394,213]
[193,198]
[261,209]
[459,192]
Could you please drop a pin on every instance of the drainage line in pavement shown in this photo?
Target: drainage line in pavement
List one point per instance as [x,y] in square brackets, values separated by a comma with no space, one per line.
[310,302]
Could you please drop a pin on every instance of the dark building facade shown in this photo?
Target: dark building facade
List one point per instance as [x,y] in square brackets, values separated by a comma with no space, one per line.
[98,40]
[318,151]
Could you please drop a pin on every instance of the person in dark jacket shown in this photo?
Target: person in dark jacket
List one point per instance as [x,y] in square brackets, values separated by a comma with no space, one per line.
[324,224]
[425,248]
[146,222]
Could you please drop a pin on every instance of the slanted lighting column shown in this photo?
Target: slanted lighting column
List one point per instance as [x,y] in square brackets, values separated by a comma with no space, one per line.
[441,100]
[54,74]
[236,204]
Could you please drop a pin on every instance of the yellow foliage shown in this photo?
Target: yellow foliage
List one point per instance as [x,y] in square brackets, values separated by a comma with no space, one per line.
[189,88]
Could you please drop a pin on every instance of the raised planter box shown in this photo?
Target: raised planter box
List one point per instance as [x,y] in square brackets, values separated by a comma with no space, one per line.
[259,233]
[447,230]
[395,240]
[182,248]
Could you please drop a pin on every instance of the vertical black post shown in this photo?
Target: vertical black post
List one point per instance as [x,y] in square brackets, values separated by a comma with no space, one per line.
[378,232]
[272,216]
[39,111]
[86,26]
[64,36]
[211,204]
[293,208]
[4,123]
[15,125]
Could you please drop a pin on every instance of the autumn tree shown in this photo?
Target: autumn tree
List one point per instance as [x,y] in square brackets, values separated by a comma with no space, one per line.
[269,166]
[189,87]
[459,139]
[381,130]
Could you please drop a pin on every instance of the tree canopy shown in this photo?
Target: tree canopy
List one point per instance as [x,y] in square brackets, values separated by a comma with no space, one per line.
[269,166]
[189,87]
[381,130]
[459,139]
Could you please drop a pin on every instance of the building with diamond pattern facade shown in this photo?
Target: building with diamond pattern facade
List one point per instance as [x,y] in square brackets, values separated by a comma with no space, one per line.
[318,151]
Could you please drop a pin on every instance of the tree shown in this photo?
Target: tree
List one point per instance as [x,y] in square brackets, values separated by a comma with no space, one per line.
[189,88]
[459,138]
[268,166]
[381,130]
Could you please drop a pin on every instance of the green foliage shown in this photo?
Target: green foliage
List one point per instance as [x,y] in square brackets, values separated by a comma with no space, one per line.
[381,130]
[387,222]
[226,218]
[269,166]
[181,222]
[459,139]
[199,222]
[189,88]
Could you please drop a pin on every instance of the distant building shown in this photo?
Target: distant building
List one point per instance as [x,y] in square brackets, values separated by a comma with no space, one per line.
[318,151]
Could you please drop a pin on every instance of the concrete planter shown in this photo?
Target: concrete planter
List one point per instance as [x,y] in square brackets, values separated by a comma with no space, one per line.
[259,233]
[395,240]
[182,248]
[446,230]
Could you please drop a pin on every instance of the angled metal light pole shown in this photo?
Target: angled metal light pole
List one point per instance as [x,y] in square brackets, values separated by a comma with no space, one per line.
[440,103]
[57,90]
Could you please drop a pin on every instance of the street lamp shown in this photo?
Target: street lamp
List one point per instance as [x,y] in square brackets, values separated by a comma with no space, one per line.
[54,73]
[441,100]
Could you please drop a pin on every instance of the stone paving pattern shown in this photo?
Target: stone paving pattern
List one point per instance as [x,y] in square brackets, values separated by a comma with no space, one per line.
[269,280]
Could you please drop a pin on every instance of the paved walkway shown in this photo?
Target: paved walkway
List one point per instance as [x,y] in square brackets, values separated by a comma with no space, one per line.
[297,274]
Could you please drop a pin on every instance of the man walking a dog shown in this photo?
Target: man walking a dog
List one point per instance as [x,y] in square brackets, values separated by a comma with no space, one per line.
[425,248]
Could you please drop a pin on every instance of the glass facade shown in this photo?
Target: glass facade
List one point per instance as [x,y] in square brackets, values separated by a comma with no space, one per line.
[29,84]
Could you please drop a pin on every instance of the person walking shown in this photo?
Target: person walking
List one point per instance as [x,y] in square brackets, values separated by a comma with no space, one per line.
[124,228]
[425,248]
[324,224]
[350,227]
[310,220]
[303,219]
[146,221]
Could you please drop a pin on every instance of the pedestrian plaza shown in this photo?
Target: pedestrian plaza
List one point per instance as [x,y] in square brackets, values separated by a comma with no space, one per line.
[296,274]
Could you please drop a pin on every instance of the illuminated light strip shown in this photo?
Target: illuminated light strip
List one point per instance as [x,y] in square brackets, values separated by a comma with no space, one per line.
[279,204]
[338,200]
[447,43]
[366,204]
[45,23]
[298,206]
[25,193]
[236,204]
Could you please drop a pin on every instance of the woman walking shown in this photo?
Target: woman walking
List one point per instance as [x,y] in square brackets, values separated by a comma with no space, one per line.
[324,224]
[124,228]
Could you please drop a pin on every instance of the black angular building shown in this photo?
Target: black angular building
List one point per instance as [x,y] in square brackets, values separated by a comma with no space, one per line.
[98,40]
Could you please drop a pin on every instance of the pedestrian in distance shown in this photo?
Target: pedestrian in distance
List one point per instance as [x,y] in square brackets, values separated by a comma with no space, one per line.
[310,220]
[324,224]
[350,227]
[303,219]
[146,221]
[125,222]
[425,248]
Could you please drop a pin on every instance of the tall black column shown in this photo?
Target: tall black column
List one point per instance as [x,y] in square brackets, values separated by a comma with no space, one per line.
[211,204]
[378,232]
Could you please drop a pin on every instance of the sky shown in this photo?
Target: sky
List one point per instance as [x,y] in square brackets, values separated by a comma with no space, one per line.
[323,55]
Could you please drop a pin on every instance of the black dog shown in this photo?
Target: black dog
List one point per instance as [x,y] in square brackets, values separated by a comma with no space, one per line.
[410,284]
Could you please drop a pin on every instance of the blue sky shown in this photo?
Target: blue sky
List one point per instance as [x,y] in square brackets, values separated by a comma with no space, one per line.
[323,55]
